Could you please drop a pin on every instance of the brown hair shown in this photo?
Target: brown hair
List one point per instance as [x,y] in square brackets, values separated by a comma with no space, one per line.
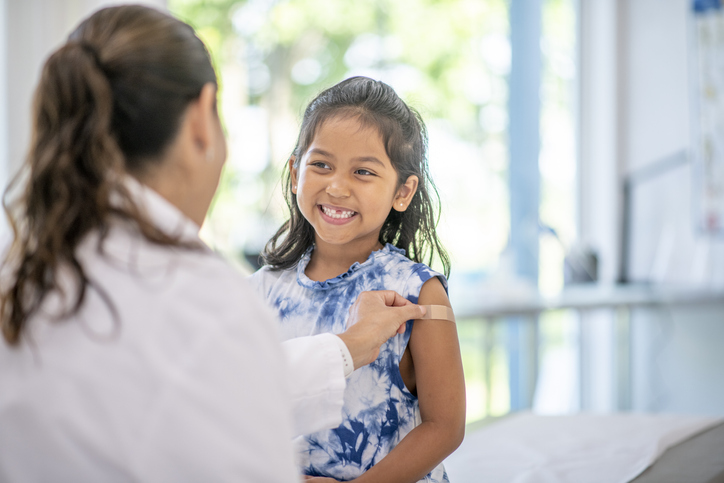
[109,102]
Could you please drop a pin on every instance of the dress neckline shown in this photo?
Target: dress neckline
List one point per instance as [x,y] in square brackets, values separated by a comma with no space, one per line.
[306,282]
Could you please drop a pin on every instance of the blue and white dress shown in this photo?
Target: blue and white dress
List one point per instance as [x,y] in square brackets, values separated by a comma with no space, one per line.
[378,409]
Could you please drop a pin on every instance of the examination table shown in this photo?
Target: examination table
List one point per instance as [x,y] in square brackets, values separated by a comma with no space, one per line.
[588,448]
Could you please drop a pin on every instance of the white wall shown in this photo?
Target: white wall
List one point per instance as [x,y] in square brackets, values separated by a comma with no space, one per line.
[677,351]
[656,112]
[634,112]
[667,247]
[3,94]
[31,31]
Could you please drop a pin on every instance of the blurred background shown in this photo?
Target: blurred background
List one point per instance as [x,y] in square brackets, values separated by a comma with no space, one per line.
[576,146]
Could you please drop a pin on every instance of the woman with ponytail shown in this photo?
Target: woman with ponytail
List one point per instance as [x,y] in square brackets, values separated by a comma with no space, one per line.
[131,351]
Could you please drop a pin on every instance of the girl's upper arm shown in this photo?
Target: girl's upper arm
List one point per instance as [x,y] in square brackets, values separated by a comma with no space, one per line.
[438,366]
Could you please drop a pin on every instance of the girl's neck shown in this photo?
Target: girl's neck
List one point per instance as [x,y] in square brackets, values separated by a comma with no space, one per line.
[329,261]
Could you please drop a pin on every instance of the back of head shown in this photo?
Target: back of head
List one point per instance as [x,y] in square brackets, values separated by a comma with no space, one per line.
[374,104]
[153,65]
[109,102]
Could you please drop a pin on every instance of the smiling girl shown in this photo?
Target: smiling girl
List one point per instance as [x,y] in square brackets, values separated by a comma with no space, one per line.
[362,219]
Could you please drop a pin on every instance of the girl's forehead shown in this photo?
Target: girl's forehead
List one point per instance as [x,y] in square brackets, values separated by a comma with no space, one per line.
[347,124]
[347,135]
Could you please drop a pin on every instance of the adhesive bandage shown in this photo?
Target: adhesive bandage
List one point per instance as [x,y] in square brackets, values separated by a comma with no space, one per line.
[438,312]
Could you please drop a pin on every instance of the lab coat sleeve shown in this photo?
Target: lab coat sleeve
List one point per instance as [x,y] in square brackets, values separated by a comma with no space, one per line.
[316,382]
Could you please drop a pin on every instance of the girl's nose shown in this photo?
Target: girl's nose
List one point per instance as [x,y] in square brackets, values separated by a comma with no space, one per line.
[338,188]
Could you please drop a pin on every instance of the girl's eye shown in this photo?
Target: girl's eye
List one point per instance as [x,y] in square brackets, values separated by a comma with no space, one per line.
[364,172]
[319,164]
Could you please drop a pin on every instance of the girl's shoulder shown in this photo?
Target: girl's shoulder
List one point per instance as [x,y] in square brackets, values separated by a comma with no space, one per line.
[396,265]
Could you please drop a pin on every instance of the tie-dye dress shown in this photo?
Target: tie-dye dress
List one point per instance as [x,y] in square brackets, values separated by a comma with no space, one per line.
[378,409]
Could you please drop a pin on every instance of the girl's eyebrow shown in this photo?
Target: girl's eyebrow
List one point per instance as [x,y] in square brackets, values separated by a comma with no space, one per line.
[370,159]
[321,152]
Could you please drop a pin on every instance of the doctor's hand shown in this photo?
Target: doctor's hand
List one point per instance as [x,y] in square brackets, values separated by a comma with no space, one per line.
[374,318]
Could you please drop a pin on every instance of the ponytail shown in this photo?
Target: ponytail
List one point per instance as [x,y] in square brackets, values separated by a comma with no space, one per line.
[77,158]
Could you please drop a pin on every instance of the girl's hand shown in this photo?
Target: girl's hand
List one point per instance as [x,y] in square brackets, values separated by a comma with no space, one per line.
[319,479]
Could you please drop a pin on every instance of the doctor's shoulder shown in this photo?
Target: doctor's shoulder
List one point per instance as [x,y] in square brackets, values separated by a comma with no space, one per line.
[200,283]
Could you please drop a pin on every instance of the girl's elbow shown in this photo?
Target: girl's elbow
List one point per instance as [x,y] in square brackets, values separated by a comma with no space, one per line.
[455,433]
[458,437]
[452,440]
[459,425]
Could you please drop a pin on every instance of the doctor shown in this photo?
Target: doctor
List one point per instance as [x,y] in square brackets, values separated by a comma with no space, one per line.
[131,351]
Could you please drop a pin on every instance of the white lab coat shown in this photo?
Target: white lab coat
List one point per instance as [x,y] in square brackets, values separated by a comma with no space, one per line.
[187,383]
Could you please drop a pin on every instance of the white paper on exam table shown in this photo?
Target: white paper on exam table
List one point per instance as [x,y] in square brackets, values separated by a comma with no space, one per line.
[585,448]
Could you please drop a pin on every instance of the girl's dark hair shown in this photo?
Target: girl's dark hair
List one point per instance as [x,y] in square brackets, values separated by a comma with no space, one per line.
[109,102]
[374,104]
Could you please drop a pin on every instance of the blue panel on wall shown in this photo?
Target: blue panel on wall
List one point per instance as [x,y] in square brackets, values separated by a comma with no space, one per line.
[704,5]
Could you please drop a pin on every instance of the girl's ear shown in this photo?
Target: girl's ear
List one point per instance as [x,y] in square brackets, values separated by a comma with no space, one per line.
[405,193]
[293,172]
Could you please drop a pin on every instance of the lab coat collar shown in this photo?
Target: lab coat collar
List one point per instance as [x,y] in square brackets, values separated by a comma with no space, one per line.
[159,211]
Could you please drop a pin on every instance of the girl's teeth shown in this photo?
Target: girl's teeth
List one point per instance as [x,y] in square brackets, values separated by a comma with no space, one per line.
[335,214]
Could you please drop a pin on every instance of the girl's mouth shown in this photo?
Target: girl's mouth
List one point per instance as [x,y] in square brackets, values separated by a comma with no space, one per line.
[336,216]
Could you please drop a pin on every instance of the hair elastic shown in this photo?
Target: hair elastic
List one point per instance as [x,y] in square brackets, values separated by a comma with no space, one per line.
[95,55]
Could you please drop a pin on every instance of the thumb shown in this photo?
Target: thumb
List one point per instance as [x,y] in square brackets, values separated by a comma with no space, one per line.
[410,312]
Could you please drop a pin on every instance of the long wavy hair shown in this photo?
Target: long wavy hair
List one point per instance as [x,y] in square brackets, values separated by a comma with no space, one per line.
[108,103]
[376,105]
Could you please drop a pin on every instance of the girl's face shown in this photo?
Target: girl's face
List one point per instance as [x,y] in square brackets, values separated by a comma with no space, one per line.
[345,184]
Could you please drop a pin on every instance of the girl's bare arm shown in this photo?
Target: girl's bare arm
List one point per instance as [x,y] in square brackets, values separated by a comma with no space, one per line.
[441,393]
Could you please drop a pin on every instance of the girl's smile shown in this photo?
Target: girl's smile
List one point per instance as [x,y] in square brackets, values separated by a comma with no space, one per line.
[336,215]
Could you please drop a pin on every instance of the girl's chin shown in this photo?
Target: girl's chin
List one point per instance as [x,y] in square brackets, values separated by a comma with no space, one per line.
[351,243]
[334,241]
